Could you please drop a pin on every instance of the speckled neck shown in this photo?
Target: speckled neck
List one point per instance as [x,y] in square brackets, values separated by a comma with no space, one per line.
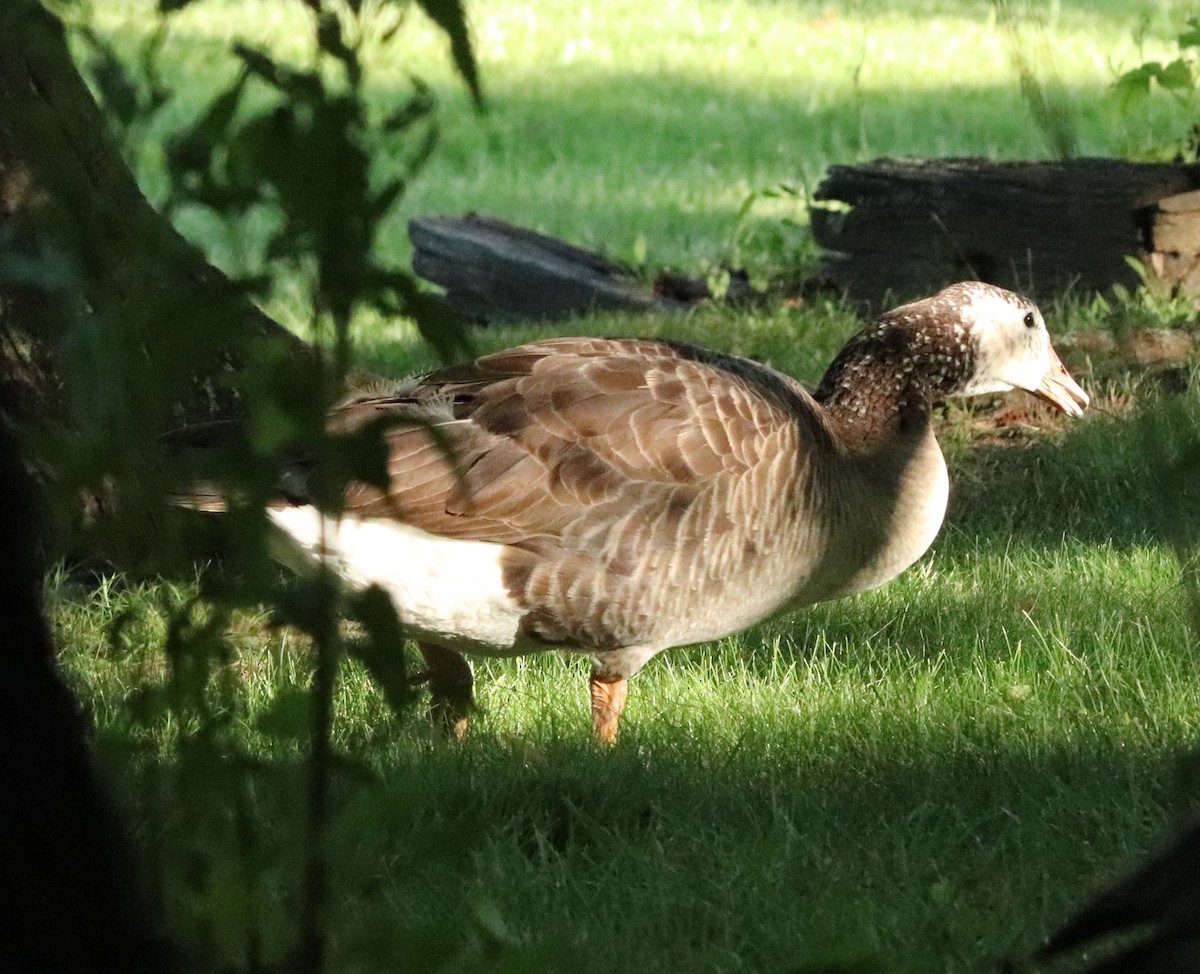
[889,377]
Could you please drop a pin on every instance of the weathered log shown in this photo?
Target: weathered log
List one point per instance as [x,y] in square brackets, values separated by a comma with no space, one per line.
[900,228]
[1174,255]
[494,270]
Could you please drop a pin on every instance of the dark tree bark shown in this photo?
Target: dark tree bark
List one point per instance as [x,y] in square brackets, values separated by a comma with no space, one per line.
[69,893]
[64,187]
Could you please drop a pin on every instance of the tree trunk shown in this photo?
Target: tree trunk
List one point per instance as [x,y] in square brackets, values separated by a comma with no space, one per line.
[66,193]
[72,903]
[80,243]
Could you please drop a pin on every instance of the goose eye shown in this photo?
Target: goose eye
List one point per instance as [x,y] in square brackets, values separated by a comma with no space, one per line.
[1030,320]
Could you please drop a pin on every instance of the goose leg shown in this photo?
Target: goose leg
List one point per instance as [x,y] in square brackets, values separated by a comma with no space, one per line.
[610,686]
[450,689]
[608,700]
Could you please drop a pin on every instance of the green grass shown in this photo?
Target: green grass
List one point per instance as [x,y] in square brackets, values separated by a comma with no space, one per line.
[634,128]
[931,775]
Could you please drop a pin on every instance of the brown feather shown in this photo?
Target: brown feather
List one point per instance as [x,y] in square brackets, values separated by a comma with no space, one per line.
[600,461]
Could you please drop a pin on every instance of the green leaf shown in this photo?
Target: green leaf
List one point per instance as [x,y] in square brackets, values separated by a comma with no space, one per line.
[1189,38]
[309,602]
[382,651]
[439,325]
[273,426]
[118,90]
[290,401]
[1176,75]
[388,196]
[1143,73]
[421,104]
[423,152]
[364,454]
[1134,85]
[452,19]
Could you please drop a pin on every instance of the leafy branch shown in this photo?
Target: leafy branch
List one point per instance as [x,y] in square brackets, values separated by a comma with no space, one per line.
[294,146]
[1177,77]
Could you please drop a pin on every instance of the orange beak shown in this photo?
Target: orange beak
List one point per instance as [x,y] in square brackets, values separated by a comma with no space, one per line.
[1059,388]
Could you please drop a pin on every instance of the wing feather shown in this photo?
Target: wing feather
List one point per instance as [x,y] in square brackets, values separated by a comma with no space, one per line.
[550,432]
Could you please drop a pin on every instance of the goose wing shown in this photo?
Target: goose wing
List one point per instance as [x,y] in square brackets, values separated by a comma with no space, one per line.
[543,443]
[629,482]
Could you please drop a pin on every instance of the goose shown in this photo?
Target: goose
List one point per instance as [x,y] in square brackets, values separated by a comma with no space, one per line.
[619,497]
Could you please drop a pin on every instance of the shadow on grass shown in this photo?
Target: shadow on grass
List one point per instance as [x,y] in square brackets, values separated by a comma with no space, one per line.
[678,851]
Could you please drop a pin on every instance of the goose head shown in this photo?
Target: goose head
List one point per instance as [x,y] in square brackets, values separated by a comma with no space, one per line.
[1010,346]
[969,339]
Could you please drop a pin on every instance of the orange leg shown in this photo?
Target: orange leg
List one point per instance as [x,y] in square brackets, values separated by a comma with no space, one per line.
[608,700]
[450,689]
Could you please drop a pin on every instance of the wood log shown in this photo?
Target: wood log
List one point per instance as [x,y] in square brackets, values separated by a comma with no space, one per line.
[901,228]
[895,229]
[1174,255]
[493,270]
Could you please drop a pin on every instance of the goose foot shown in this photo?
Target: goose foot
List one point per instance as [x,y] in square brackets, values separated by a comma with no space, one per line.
[608,700]
[451,683]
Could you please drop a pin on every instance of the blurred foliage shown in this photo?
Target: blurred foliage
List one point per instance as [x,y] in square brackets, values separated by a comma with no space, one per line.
[1176,79]
[243,850]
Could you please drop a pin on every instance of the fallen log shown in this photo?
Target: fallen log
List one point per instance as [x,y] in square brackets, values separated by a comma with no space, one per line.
[893,230]
[494,270]
[900,228]
[1174,256]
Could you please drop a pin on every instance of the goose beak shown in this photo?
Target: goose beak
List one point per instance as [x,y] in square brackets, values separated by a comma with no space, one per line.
[1059,388]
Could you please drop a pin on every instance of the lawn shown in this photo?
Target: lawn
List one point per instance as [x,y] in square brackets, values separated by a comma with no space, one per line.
[926,777]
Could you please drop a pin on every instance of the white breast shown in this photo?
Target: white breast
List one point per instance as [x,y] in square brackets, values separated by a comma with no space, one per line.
[449,591]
